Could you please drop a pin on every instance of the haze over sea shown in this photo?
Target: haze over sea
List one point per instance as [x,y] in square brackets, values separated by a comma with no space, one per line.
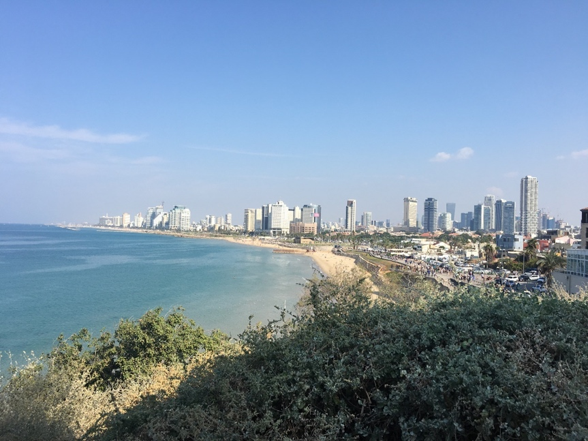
[54,280]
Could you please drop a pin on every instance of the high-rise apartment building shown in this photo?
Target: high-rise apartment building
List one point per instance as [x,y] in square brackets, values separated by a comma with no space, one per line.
[366,219]
[489,201]
[350,214]
[249,220]
[153,214]
[529,205]
[430,217]
[179,218]
[509,217]
[139,220]
[445,222]
[126,220]
[410,212]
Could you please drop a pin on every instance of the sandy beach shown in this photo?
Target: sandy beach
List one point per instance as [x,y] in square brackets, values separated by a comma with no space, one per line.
[329,263]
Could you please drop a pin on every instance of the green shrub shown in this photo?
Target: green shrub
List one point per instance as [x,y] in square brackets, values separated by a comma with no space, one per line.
[462,365]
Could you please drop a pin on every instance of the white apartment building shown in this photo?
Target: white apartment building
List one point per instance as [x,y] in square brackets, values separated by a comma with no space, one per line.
[249,220]
[179,218]
[139,220]
[445,222]
[529,205]
[126,220]
[410,212]
[350,214]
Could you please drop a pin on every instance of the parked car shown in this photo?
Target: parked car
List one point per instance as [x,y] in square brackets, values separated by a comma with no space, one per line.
[539,288]
[524,278]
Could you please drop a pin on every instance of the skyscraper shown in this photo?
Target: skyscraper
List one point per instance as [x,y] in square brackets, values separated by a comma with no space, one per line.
[509,217]
[529,205]
[430,218]
[489,202]
[366,219]
[410,212]
[278,218]
[499,214]
[311,214]
[478,217]
[350,213]
[445,221]
[450,208]
[249,220]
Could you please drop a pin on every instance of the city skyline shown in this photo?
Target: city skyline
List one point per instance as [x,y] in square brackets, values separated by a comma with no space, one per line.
[218,106]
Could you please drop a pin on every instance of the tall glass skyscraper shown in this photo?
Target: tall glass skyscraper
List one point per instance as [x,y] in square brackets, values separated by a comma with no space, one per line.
[430,218]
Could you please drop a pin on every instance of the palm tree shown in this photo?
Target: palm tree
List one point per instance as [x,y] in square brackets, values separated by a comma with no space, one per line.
[531,250]
[488,252]
[550,262]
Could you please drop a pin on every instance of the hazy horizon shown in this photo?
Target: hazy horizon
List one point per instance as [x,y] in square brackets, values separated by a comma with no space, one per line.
[221,106]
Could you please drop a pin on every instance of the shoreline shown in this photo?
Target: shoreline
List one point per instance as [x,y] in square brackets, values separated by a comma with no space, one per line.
[329,264]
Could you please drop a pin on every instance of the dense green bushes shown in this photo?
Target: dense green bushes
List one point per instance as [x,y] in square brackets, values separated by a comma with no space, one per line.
[462,365]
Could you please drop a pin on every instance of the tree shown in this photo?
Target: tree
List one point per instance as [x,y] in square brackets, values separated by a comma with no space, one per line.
[550,262]
[531,250]
[488,253]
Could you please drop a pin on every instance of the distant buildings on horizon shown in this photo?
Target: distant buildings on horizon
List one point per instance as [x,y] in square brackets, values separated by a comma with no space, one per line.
[492,215]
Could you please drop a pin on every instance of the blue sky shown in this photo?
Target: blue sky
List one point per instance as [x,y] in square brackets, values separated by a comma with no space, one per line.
[111,107]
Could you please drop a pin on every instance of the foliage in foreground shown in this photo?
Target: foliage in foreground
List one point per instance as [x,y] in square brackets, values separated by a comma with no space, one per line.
[466,365]
[68,393]
[462,365]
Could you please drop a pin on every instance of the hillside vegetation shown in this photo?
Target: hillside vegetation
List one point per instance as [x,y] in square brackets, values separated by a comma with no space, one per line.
[419,365]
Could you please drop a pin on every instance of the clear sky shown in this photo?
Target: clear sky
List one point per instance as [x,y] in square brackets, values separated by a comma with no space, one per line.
[112,107]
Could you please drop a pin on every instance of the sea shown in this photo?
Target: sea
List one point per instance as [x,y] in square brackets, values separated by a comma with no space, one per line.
[57,281]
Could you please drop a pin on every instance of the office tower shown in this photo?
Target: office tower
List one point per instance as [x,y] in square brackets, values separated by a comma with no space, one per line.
[487,217]
[478,217]
[366,219]
[499,214]
[265,215]
[410,212]
[430,217]
[179,218]
[229,219]
[445,222]
[509,217]
[489,201]
[350,212]
[278,218]
[529,205]
[466,220]
[311,214]
[249,220]
[450,208]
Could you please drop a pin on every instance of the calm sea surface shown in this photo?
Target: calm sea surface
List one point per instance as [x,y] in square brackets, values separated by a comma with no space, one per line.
[54,280]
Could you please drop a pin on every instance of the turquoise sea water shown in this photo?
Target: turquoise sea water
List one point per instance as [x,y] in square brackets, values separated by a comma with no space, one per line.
[54,280]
